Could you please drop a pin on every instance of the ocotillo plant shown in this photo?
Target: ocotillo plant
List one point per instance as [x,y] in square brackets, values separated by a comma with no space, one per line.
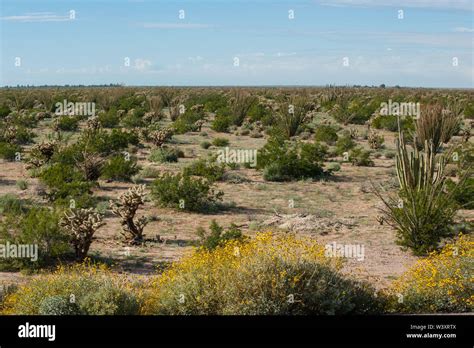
[81,224]
[126,208]
[423,211]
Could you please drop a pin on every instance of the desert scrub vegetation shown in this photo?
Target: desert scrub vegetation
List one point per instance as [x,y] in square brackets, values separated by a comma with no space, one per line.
[165,154]
[441,282]
[181,191]
[126,208]
[82,288]
[81,224]
[281,160]
[120,168]
[424,210]
[326,134]
[268,275]
[217,236]
[29,224]
[206,168]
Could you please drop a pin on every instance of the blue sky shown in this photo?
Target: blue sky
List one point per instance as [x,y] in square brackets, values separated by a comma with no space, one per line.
[270,48]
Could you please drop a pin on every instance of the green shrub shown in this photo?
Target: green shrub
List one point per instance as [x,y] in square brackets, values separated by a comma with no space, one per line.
[22,184]
[344,144]
[220,142]
[109,119]
[334,167]
[217,236]
[463,196]
[109,300]
[4,111]
[58,305]
[8,151]
[390,123]
[65,183]
[221,123]
[184,192]
[205,144]
[38,226]
[120,168]
[360,157]
[150,172]
[164,154]
[67,123]
[210,171]
[284,161]
[134,119]
[11,204]
[326,134]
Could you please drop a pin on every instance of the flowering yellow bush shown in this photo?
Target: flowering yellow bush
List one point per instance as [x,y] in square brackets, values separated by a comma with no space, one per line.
[80,289]
[269,274]
[441,282]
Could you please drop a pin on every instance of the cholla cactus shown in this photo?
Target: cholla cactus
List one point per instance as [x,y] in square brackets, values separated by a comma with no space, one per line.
[90,165]
[198,124]
[41,154]
[126,209]
[93,123]
[81,224]
[10,133]
[375,140]
[159,137]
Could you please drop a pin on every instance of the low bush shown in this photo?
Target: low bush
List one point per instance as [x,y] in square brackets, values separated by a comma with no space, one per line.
[78,289]
[285,161]
[220,142]
[344,144]
[165,154]
[120,168]
[326,134]
[209,170]
[67,123]
[37,226]
[109,119]
[269,275]
[441,282]
[360,157]
[64,182]
[205,144]
[217,236]
[184,192]
[221,123]
[11,204]
[9,151]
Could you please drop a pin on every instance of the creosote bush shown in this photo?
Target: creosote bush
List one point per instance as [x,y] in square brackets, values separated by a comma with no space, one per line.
[181,191]
[286,161]
[217,236]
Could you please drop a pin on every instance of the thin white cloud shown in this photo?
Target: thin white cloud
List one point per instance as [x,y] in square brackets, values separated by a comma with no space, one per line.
[38,17]
[436,4]
[176,26]
[141,64]
[463,30]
